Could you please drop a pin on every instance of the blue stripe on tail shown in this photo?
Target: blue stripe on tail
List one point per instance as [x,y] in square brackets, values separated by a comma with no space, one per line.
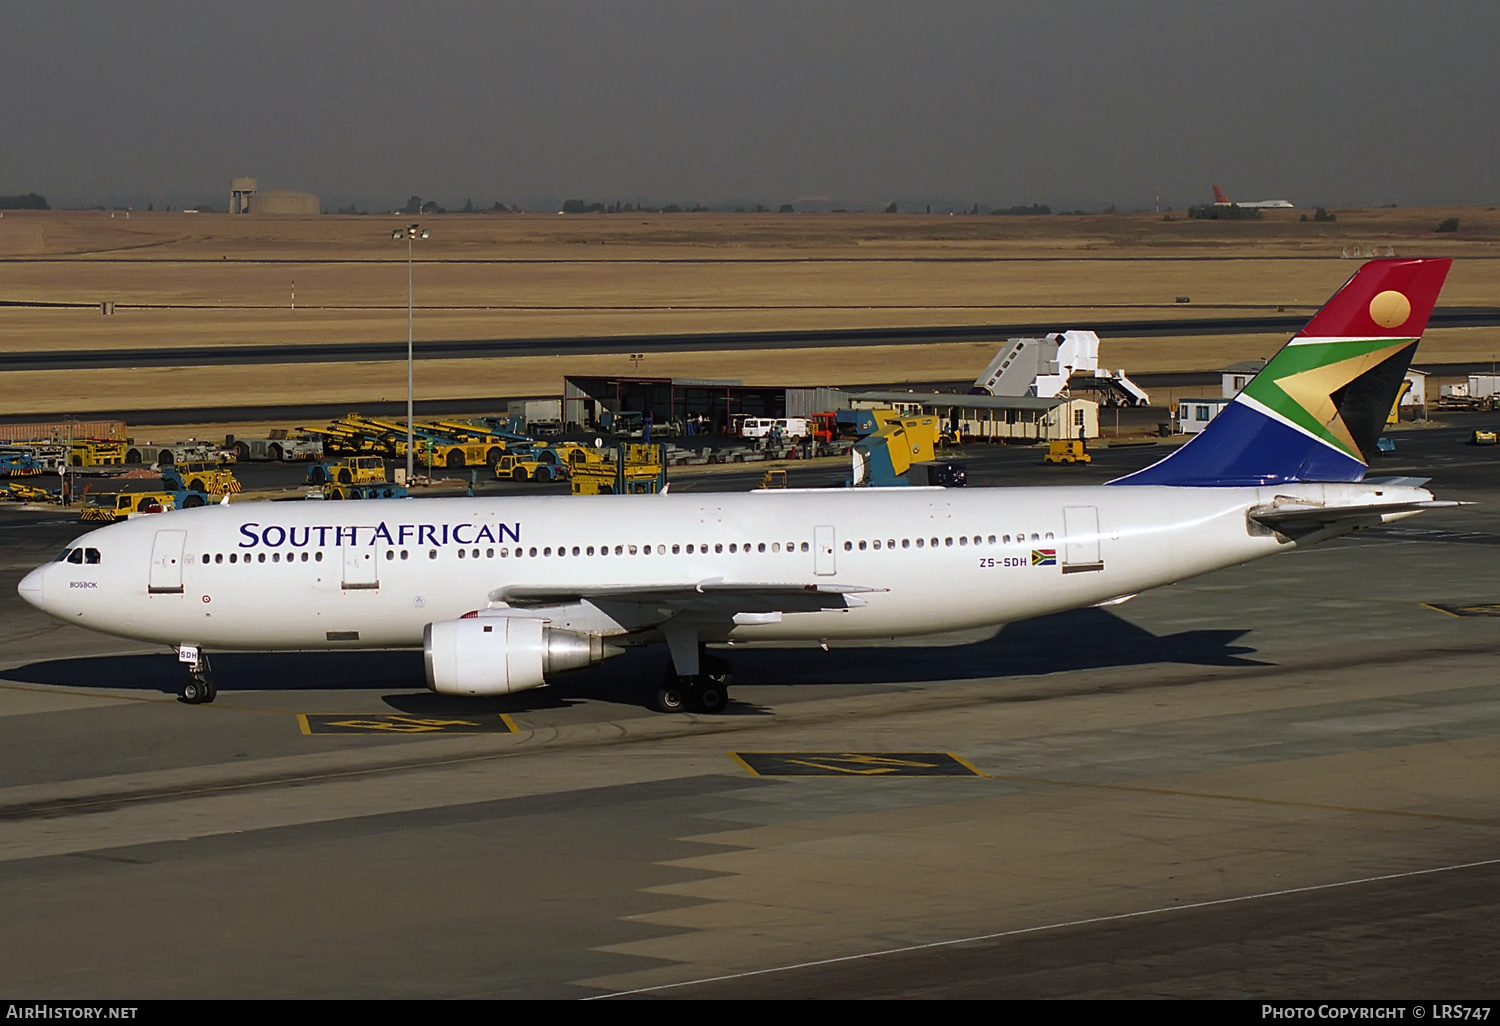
[1244,447]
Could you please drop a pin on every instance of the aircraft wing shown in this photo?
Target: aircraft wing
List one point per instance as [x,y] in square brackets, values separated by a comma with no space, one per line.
[709,598]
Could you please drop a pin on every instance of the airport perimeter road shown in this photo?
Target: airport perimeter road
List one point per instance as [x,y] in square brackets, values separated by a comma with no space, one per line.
[1278,780]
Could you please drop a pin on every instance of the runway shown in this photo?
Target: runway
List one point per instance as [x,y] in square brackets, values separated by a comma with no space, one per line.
[1273,781]
[343,352]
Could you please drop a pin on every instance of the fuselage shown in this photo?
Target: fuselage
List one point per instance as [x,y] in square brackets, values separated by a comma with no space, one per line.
[287,576]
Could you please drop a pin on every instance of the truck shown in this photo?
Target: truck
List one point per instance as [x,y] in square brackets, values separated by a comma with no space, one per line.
[88,452]
[535,465]
[347,471]
[206,478]
[17,461]
[627,469]
[762,427]
[367,490]
[279,446]
[536,416]
[191,451]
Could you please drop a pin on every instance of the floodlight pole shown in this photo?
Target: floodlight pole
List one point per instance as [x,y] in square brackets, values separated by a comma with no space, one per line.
[412,232]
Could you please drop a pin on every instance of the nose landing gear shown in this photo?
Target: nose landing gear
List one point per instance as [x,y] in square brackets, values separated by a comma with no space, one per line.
[199,687]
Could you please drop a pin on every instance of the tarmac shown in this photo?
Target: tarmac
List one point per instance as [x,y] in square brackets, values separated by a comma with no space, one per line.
[1279,780]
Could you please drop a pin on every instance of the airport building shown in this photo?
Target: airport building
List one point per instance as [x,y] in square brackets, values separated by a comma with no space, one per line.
[245,197]
[711,407]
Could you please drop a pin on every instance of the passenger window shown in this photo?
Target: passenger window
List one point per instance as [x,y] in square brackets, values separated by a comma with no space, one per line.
[219,557]
[947,541]
[718,546]
[632,550]
[732,547]
[318,556]
[906,543]
[861,545]
[919,543]
[575,550]
[1049,535]
[432,553]
[805,546]
[260,557]
[848,546]
[460,553]
[961,540]
[676,549]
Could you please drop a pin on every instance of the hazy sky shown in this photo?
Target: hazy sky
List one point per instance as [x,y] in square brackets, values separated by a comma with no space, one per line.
[999,103]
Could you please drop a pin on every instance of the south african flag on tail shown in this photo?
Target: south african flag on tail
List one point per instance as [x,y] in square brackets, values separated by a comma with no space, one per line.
[1315,412]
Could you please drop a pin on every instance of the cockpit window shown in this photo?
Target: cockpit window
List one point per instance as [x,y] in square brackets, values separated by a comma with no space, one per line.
[62,557]
[91,555]
[75,556]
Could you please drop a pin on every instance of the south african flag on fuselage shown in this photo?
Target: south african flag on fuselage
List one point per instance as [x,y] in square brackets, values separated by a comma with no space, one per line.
[1043,557]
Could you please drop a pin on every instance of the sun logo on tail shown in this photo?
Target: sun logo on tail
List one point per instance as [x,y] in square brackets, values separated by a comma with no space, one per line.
[1337,389]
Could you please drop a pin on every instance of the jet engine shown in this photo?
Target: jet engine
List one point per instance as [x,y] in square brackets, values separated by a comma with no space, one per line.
[496,655]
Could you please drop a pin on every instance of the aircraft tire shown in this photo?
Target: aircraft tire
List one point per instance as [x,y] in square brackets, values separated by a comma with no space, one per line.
[711,697]
[193,692]
[716,671]
[671,698]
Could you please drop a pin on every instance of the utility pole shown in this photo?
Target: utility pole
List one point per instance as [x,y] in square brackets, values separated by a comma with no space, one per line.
[410,233]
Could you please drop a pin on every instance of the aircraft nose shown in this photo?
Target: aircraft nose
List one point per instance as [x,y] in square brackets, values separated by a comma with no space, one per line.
[30,587]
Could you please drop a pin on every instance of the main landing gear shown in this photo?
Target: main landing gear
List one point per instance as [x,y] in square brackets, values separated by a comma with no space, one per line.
[705,691]
[199,687]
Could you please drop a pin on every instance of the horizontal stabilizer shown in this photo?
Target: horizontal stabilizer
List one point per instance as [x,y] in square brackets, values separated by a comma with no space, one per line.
[1298,518]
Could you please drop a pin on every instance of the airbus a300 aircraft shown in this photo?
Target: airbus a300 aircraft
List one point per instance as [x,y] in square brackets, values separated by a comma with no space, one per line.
[1221,200]
[504,593]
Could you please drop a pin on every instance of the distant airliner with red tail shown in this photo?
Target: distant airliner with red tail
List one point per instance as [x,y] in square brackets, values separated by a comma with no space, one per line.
[1221,200]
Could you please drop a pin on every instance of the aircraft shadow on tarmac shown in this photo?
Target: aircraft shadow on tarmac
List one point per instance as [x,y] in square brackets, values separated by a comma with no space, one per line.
[1085,639]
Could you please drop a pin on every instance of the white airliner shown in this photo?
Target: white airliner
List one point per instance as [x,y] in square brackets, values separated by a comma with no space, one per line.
[1221,200]
[504,593]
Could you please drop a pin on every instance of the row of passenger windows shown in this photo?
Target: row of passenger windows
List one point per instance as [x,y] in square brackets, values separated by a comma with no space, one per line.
[932,543]
[76,555]
[275,557]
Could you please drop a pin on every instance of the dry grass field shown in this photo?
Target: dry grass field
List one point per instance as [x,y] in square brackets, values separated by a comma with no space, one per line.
[202,279]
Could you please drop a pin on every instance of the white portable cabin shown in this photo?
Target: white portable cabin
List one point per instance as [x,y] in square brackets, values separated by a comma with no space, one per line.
[1193,415]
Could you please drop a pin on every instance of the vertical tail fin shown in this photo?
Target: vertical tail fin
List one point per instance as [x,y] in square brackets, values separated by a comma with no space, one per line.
[1219,196]
[1315,411]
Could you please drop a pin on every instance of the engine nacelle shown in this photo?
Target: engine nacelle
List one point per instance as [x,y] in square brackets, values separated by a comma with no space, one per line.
[496,655]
